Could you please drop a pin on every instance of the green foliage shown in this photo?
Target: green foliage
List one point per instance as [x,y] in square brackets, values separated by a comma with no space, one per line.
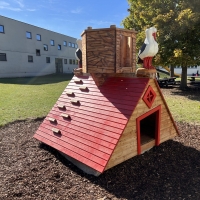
[23,98]
[178,24]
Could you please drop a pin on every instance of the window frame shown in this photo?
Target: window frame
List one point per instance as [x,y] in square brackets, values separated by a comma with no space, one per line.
[30,56]
[45,45]
[39,36]
[70,61]
[74,62]
[3,29]
[4,55]
[59,47]
[48,60]
[65,61]
[37,52]
[73,45]
[30,35]
[53,43]
[64,43]
[69,44]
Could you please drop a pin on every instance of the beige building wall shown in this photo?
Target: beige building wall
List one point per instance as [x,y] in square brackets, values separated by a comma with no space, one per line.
[16,46]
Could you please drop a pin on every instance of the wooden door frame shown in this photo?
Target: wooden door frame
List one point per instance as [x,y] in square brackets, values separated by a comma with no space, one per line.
[156,110]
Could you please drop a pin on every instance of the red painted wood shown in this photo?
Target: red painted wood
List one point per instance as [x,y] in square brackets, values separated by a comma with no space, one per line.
[86,123]
[78,145]
[96,123]
[104,135]
[147,99]
[88,96]
[119,111]
[73,111]
[82,117]
[128,106]
[69,152]
[101,145]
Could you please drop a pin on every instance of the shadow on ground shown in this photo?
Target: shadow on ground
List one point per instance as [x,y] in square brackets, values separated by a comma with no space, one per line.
[170,171]
[37,80]
[191,92]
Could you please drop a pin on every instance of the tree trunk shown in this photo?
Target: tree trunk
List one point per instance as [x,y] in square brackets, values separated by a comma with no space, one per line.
[184,78]
[171,71]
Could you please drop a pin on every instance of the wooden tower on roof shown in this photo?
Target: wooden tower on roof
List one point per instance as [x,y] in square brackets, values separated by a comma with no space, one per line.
[109,50]
[106,115]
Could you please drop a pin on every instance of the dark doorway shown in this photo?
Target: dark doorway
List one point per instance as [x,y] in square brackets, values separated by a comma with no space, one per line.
[148,128]
[59,65]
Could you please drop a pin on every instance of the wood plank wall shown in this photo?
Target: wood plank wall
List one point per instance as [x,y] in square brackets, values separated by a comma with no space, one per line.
[100,51]
[110,50]
[127,145]
[84,61]
[125,51]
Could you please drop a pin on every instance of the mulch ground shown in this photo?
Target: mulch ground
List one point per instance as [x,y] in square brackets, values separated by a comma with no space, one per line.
[32,170]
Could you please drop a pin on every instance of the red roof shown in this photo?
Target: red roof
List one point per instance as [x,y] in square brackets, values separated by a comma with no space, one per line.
[96,121]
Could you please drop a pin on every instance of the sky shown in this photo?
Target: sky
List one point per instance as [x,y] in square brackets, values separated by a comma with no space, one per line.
[68,17]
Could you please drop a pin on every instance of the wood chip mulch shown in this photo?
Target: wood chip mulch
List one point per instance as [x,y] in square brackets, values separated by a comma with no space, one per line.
[32,170]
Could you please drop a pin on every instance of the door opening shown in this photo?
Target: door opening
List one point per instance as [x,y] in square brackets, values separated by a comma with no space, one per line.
[59,65]
[148,129]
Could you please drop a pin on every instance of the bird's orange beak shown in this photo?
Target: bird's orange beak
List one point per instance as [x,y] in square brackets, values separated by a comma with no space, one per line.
[154,36]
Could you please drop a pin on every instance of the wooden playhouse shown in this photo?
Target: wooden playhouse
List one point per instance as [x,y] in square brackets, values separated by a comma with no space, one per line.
[106,115]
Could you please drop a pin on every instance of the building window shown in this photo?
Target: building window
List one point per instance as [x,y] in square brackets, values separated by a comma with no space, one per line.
[1,29]
[45,47]
[65,61]
[59,47]
[30,58]
[52,42]
[76,46]
[74,62]
[3,57]
[38,37]
[70,44]
[37,52]
[47,59]
[65,43]
[28,35]
[73,45]
[70,61]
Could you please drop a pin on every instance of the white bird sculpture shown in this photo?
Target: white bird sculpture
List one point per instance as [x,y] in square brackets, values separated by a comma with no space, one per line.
[149,49]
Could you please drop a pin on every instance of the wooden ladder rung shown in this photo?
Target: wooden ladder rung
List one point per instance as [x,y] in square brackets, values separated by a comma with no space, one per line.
[69,93]
[55,130]
[65,116]
[78,81]
[74,101]
[62,106]
[52,119]
[83,88]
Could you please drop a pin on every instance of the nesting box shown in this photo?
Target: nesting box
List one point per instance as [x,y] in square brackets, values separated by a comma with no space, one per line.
[109,50]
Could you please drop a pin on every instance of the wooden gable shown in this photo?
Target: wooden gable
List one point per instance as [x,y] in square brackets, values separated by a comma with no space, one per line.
[127,146]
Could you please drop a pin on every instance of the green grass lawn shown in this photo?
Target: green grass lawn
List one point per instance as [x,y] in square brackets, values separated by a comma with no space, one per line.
[184,109]
[22,98]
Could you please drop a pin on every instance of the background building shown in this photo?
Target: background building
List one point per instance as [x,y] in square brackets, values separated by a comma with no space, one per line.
[27,50]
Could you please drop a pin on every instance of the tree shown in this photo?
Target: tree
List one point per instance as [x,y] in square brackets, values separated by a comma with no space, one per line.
[178,24]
